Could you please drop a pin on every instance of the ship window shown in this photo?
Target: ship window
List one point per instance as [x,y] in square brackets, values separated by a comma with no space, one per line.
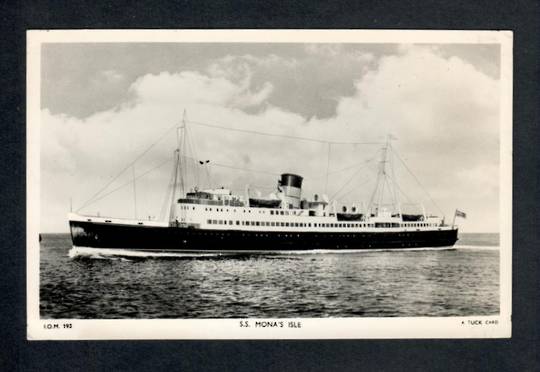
[230,222]
[271,212]
[257,223]
[287,224]
[238,222]
[309,224]
[209,221]
[214,221]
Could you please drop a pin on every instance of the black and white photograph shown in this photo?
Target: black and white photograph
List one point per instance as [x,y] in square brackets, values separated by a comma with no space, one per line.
[269,184]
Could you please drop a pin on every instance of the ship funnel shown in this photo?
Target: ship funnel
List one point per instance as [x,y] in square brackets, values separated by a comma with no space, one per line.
[291,186]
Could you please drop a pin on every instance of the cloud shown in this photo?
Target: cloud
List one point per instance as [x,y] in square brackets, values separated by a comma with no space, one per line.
[327,50]
[111,76]
[443,111]
[191,87]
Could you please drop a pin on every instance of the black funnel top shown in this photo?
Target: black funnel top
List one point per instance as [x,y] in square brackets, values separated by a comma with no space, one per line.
[288,179]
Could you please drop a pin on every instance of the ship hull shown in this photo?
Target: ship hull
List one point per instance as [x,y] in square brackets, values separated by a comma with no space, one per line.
[170,239]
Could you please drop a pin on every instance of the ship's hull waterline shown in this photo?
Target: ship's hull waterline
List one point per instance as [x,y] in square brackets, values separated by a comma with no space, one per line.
[154,238]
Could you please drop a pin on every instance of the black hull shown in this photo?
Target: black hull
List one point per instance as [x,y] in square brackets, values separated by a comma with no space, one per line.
[107,235]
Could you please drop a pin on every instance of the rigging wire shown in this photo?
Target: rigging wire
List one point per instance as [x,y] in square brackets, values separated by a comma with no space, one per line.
[356,164]
[417,181]
[350,179]
[250,131]
[206,167]
[392,192]
[400,190]
[90,201]
[244,169]
[129,182]
[327,167]
[368,164]
[167,200]
[357,186]
[98,195]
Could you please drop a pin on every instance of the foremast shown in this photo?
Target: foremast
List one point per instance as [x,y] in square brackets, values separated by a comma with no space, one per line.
[386,183]
[178,183]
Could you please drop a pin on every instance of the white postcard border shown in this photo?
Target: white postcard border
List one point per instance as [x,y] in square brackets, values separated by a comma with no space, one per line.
[298,328]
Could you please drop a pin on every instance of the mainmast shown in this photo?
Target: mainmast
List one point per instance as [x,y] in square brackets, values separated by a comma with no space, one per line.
[385,179]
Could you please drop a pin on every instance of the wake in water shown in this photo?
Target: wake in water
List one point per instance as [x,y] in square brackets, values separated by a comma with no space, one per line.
[478,247]
[104,253]
[126,254]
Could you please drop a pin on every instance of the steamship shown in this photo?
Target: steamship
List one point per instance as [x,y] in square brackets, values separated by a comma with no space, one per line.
[218,220]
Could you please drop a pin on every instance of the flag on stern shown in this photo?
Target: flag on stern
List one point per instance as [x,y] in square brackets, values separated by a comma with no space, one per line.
[461,214]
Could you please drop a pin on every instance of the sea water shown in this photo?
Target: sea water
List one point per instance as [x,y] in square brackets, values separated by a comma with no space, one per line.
[460,282]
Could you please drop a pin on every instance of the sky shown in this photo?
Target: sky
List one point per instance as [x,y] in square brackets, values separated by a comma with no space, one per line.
[103,104]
